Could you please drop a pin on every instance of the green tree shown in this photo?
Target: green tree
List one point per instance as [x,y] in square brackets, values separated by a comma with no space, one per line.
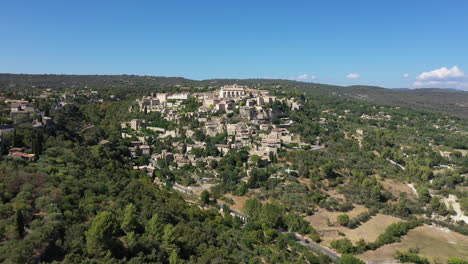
[272,157]
[19,222]
[174,257]
[14,139]
[424,195]
[343,219]
[271,215]
[205,197]
[328,170]
[343,246]
[130,219]
[410,257]
[169,239]
[102,235]
[37,143]
[349,259]
[455,260]
[154,227]
[213,164]
[296,223]
[252,207]
[255,160]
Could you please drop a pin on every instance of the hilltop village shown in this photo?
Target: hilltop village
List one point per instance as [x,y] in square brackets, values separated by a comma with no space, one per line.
[235,116]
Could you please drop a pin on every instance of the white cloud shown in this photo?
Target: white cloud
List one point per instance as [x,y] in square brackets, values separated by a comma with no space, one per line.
[305,77]
[442,78]
[406,75]
[441,84]
[442,74]
[353,76]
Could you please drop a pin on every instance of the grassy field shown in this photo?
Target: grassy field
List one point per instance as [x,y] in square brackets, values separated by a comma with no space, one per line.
[435,243]
[368,231]
[371,229]
[396,187]
[319,218]
[239,201]
[319,221]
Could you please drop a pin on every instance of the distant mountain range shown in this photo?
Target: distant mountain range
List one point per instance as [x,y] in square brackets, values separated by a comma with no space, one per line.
[450,101]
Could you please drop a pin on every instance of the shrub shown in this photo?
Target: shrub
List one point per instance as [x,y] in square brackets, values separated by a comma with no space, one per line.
[455,260]
[411,257]
[343,219]
[343,246]
[349,259]
[394,231]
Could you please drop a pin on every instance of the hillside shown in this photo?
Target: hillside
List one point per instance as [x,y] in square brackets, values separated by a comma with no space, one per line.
[438,100]
[130,169]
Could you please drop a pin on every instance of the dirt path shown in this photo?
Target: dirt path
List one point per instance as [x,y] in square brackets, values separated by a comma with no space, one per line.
[452,200]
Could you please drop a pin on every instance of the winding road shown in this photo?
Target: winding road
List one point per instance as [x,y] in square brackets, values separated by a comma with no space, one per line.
[305,242]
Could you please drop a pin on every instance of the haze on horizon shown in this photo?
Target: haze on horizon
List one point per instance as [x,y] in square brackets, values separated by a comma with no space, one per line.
[395,44]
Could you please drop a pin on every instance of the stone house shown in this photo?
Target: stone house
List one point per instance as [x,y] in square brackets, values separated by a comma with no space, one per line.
[223,148]
[145,149]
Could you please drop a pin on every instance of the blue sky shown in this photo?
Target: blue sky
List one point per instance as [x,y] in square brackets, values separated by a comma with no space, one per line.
[337,42]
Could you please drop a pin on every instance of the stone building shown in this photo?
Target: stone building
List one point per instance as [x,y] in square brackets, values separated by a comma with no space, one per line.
[232,91]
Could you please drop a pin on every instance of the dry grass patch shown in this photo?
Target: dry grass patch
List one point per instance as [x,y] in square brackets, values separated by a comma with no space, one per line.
[239,201]
[370,230]
[198,189]
[435,243]
[335,194]
[329,233]
[396,188]
[319,218]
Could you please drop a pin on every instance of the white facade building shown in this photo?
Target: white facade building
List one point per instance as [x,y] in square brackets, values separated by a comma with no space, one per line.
[232,91]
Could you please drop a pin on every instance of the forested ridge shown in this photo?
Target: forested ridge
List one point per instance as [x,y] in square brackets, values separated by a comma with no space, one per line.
[438,100]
